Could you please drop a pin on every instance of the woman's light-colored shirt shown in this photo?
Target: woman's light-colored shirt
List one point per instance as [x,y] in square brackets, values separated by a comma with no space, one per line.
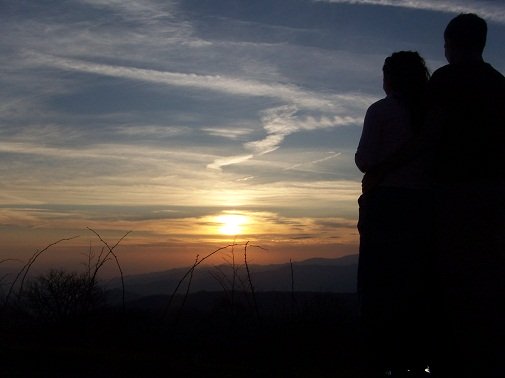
[387,127]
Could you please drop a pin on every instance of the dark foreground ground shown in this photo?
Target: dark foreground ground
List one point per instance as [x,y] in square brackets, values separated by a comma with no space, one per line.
[203,335]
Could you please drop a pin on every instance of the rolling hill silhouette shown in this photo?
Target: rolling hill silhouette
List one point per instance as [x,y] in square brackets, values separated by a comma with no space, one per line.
[313,275]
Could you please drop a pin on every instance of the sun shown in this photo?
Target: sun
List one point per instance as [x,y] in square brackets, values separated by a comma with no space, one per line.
[231,224]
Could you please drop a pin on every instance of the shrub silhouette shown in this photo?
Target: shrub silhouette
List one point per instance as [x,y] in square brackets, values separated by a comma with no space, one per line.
[59,296]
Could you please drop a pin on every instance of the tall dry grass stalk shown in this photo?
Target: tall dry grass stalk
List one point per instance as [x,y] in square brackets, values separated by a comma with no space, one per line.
[103,258]
[251,286]
[294,304]
[188,287]
[189,273]
[229,285]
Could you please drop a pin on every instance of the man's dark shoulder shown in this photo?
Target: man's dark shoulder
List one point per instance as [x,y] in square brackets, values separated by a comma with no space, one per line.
[457,77]
[447,70]
[443,76]
[493,80]
[451,71]
[442,71]
[493,73]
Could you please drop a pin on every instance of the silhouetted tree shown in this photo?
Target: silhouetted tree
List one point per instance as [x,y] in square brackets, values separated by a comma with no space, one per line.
[59,295]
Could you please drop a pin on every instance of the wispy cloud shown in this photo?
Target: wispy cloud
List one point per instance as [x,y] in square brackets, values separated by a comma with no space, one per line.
[332,155]
[220,83]
[151,130]
[491,10]
[279,123]
[229,160]
[247,178]
[136,9]
[230,133]
[283,121]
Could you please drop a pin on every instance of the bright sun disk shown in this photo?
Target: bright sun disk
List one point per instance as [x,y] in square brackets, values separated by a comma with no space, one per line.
[231,224]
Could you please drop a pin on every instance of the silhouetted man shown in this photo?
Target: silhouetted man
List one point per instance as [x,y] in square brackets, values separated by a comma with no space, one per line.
[467,121]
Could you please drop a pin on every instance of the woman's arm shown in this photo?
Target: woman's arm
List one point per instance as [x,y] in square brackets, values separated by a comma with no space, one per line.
[366,153]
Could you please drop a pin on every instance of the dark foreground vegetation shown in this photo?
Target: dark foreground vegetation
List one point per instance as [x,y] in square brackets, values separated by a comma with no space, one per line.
[65,324]
[315,336]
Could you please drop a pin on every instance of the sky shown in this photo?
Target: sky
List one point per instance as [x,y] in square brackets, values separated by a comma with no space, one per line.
[193,124]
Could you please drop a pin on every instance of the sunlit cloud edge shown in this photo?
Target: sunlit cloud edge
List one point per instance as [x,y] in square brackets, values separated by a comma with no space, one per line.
[488,10]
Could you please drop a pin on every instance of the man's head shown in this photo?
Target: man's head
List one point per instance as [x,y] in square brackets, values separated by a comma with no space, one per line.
[465,38]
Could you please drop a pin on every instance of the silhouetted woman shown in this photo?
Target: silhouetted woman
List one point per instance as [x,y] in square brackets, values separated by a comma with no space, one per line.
[394,219]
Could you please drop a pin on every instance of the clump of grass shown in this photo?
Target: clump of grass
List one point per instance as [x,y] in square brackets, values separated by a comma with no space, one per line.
[58,296]
[58,292]
[189,275]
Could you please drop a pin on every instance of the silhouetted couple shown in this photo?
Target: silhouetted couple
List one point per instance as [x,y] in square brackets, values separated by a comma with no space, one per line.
[431,278]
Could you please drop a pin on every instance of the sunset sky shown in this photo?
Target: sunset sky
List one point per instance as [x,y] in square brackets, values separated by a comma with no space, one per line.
[193,123]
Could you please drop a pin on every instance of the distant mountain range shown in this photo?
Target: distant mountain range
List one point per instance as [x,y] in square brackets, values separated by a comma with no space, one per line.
[312,275]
